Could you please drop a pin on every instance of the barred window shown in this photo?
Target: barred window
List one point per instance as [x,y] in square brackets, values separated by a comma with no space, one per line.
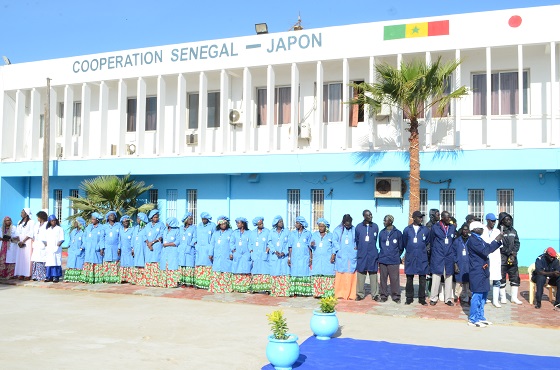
[153,196]
[505,201]
[317,207]
[171,203]
[476,203]
[58,203]
[75,193]
[293,208]
[77,119]
[192,200]
[424,201]
[447,201]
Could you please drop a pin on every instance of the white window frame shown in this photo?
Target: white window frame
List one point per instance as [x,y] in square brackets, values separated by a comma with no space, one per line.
[192,202]
[58,203]
[476,203]
[317,207]
[294,207]
[447,201]
[172,203]
[505,201]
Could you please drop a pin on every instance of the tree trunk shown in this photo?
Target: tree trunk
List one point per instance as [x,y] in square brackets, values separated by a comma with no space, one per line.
[414,175]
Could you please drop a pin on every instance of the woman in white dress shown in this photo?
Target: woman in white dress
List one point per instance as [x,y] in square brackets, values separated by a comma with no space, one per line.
[23,258]
[8,249]
[55,238]
[39,256]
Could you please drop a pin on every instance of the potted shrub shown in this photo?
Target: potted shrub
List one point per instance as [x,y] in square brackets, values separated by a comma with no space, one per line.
[282,350]
[324,322]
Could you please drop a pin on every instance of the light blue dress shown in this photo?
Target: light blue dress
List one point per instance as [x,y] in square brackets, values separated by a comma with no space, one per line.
[221,250]
[125,245]
[203,247]
[278,242]
[299,244]
[111,244]
[239,246]
[139,246]
[344,243]
[76,252]
[153,232]
[93,241]
[186,246]
[258,243]
[170,254]
[322,252]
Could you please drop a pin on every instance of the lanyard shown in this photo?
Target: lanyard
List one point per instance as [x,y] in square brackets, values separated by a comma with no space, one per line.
[445,228]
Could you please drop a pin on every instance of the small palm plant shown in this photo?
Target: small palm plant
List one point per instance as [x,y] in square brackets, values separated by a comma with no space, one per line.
[328,304]
[278,324]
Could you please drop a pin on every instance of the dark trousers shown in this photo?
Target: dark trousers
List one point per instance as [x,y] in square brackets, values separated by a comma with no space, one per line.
[540,281]
[513,272]
[392,272]
[421,287]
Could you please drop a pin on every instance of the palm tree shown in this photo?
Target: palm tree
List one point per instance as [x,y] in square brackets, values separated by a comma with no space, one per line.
[105,193]
[413,88]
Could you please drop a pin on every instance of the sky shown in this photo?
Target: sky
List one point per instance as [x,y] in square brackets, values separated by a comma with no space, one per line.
[40,29]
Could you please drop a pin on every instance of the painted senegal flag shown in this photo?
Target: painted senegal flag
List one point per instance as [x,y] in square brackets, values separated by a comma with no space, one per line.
[422,29]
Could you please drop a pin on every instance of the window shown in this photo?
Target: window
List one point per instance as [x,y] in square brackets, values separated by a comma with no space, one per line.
[293,208]
[317,206]
[153,196]
[476,203]
[504,93]
[77,119]
[282,105]
[447,109]
[151,113]
[131,115]
[332,102]
[192,200]
[60,120]
[74,193]
[447,201]
[172,203]
[505,201]
[41,126]
[424,201]
[356,110]
[213,110]
[58,204]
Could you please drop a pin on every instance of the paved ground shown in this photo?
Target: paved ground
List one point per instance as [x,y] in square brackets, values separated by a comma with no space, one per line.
[68,325]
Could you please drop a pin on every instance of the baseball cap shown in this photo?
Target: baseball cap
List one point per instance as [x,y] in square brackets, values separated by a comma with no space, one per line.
[491,217]
[551,252]
[417,214]
[476,225]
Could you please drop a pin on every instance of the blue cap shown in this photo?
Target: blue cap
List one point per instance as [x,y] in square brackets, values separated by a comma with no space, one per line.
[81,221]
[187,215]
[491,217]
[241,219]
[323,221]
[257,219]
[276,220]
[152,213]
[172,222]
[97,215]
[302,221]
[142,216]
[125,217]
[206,215]
[110,213]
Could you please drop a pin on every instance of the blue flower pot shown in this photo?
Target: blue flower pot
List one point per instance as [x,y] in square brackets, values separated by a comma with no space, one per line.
[282,354]
[324,325]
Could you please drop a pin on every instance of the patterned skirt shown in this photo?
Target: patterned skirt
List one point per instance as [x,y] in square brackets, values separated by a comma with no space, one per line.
[92,273]
[71,275]
[202,276]
[169,278]
[301,285]
[6,269]
[127,274]
[39,271]
[280,286]
[110,272]
[345,285]
[139,276]
[261,283]
[221,282]
[152,274]
[323,286]
[187,275]
[242,283]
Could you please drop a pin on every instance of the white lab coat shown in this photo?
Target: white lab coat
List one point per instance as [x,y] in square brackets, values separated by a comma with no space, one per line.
[55,235]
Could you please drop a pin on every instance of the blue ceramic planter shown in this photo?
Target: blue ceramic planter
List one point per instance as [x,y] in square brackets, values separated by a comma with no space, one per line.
[324,325]
[282,354]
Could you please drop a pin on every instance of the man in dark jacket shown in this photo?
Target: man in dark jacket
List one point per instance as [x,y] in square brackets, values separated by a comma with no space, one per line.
[390,250]
[547,267]
[442,259]
[415,238]
[509,257]
[366,242]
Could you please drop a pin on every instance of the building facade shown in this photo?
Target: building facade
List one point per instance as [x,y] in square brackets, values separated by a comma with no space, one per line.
[257,125]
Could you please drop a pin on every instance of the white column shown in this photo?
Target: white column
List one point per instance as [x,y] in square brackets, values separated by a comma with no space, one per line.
[141,118]
[104,137]
[35,117]
[202,111]
[428,112]
[270,94]
[164,132]
[247,130]
[181,114]
[294,104]
[225,127]
[457,102]
[83,146]
[53,119]
[372,77]
[400,119]
[554,91]
[122,106]
[68,120]
[317,138]
[519,124]
[488,92]
[20,145]
[347,143]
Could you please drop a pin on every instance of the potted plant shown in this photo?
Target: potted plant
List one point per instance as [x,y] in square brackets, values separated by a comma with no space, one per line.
[282,350]
[324,322]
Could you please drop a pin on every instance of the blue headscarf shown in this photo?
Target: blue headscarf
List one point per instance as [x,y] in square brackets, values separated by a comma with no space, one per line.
[187,215]
[276,220]
[110,213]
[97,215]
[172,222]
[52,217]
[152,213]
[223,218]
[206,215]
[125,217]
[302,221]
[323,221]
[257,219]
[142,216]
[81,221]
[241,219]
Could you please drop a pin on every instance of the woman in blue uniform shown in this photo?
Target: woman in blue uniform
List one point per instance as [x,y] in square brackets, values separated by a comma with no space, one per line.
[241,267]
[169,259]
[344,243]
[93,241]
[110,249]
[322,268]
[125,246]
[260,279]
[222,279]
[139,249]
[299,259]
[186,251]
[76,253]
[277,243]
[203,262]
[153,235]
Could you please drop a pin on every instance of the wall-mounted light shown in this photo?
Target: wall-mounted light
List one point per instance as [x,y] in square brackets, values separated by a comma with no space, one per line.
[261,28]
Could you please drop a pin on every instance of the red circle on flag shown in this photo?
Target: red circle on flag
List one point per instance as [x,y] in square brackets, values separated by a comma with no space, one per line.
[515,21]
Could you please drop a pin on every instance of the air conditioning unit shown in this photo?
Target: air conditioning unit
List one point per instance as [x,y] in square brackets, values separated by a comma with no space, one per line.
[384,112]
[305,130]
[235,117]
[130,149]
[59,150]
[388,187]
[192,139]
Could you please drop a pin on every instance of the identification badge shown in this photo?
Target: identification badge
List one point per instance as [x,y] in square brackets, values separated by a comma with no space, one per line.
[298,245]
[346,241]
[209,232]
[90,235]
[446,240]
[129,237]
[464,252]
[320,244]
[219,241]
[256,244]
[111,234]
[277,244]
[415,240]
[184,238]
[150,233]
[264,239]
[374,234]
[240,243]
[387,243]
[367,238]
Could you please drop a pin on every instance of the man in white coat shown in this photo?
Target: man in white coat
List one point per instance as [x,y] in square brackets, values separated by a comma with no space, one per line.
[489,234]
